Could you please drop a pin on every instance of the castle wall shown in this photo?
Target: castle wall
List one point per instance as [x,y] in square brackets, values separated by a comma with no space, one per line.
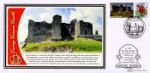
[86,28]
[77,29]
[56,28]
[40,31]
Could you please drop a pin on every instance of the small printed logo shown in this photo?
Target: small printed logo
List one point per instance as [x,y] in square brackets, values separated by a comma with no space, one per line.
[134,27]
[128,57]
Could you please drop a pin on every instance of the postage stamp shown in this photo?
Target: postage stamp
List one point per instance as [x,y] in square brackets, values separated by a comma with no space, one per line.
[141,9]
[121,10]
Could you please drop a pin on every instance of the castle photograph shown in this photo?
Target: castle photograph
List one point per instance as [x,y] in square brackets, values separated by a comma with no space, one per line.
[121,10]
[62,29]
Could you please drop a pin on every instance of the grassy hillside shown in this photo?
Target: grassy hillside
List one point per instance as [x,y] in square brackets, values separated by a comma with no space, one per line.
[78,45]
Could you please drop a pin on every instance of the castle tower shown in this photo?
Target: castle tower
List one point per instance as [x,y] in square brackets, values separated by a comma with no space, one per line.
[56,27]
[77,28]
[31,31]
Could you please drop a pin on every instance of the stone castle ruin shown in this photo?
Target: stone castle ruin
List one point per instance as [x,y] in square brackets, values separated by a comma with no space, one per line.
[40,31]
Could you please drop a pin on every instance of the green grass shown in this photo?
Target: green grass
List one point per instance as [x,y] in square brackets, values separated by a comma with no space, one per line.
[79,45]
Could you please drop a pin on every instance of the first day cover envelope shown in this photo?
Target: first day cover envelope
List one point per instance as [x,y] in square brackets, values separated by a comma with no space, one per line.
[112,36]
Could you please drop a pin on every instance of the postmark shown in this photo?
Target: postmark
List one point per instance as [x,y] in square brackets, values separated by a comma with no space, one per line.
[134,27]
[128,57]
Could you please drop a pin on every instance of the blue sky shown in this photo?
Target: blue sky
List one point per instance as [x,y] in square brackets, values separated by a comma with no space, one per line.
[66,12]
[93,15]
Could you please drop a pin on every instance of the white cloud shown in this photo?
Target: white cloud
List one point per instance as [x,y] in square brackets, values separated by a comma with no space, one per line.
[89,14]
[46,17]
[23,27]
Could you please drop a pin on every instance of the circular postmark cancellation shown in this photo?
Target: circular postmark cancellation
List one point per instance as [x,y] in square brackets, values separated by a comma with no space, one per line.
[128,57]
[134,27]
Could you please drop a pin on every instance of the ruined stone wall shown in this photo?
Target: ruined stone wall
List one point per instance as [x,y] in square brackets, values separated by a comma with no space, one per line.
[75,28]
[81,28]
[56,28]
[38,31]
[86,28]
